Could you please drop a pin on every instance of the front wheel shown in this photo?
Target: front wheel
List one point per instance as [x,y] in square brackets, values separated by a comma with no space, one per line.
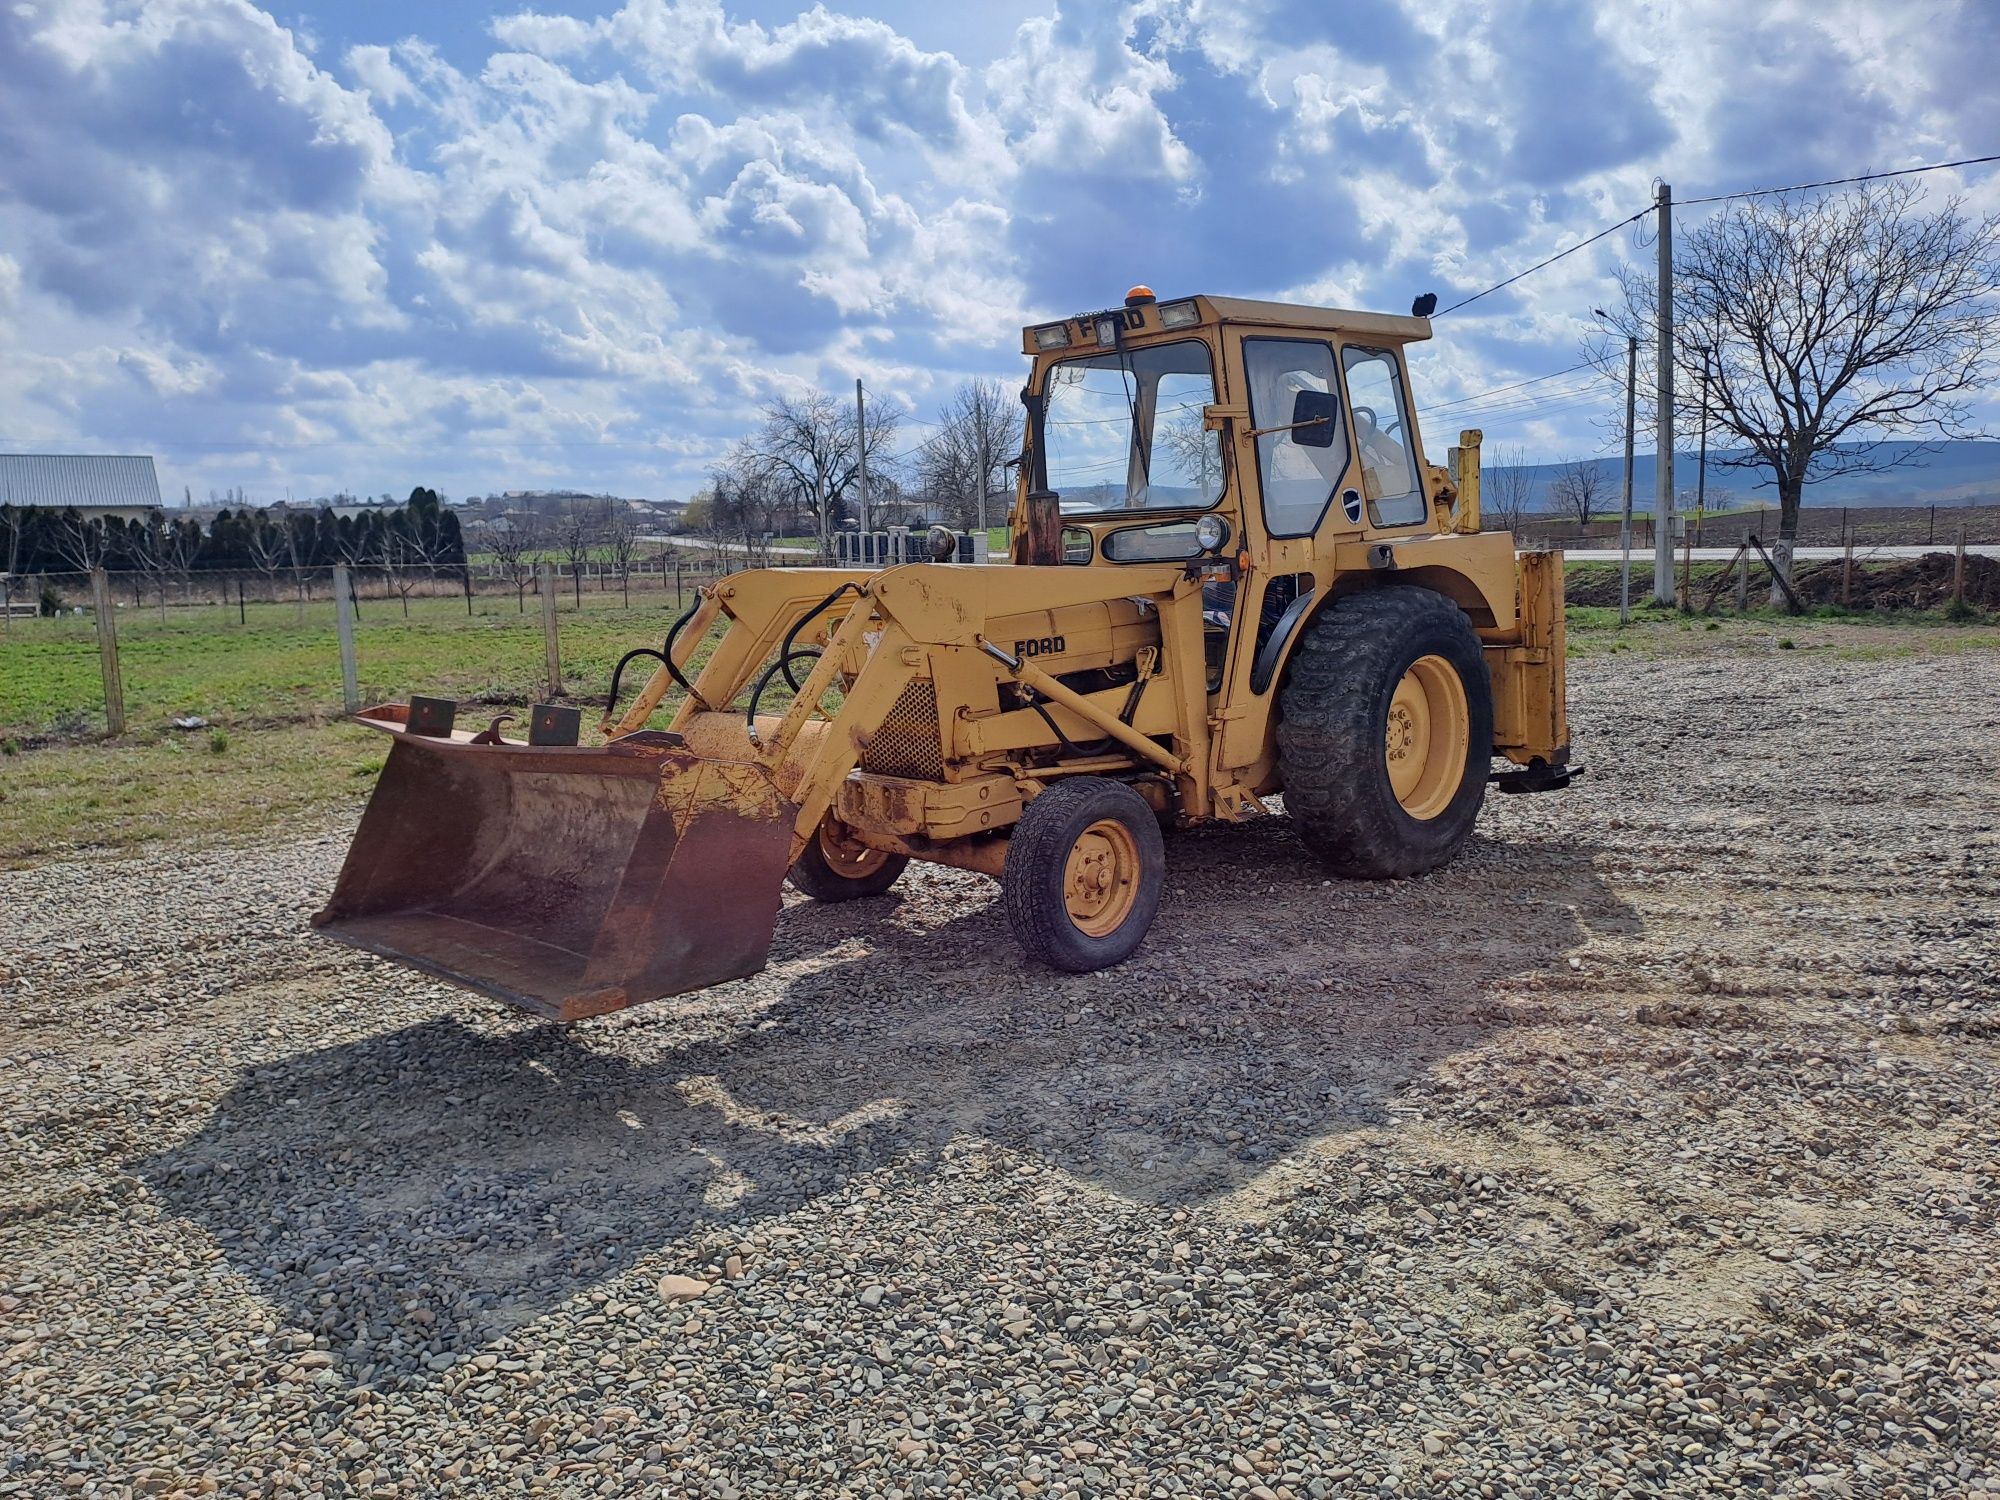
[834,866]
[1083,876]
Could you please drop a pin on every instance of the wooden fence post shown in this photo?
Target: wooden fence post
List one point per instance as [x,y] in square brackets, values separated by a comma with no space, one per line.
[1743,578]
[343,624]
[1847,575]
[107,650]
[1958,570]
[546,582]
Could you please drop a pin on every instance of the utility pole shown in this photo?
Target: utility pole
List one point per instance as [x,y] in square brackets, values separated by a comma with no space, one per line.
[1625,528]
[861,447]
[1663,458]
[981,544]
[1701,469]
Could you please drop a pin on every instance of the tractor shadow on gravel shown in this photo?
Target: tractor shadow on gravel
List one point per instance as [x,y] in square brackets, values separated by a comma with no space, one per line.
[425,1190]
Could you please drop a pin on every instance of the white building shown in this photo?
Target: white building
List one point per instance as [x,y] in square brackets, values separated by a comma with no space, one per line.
[94,485]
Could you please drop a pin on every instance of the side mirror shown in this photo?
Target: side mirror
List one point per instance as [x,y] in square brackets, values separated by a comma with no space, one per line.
[1312,419]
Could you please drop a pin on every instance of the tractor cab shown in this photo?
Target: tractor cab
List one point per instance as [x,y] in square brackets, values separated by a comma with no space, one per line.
[1249,440]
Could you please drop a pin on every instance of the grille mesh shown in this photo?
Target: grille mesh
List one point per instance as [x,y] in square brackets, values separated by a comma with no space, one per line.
[909,743]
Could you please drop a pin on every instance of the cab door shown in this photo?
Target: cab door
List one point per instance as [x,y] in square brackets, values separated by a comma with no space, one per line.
[1299,448]
[1390,495]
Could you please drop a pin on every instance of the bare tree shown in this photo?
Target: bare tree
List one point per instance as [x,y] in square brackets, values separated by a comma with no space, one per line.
[148,545]
[14,520]
[1507,489]
[269,548]
[808,443]
[356,542]
[1826,327]
[621,539]
[1578,489]
[737,510]
[14,523]
[512,540]
[578,529]
[165,547]
[1194,453]
[961,463]
[82,541]
[405,559]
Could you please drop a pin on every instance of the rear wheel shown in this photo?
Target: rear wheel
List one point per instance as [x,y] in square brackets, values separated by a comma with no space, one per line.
[835,866]
[1083,876]
[1386,732]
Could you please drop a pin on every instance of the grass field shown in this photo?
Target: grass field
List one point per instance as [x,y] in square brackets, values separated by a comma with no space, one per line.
[275,669]
[275,753]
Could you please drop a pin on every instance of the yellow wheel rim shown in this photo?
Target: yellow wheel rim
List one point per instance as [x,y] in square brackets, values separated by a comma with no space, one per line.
[845,856]
[1101,878]
[1426,743]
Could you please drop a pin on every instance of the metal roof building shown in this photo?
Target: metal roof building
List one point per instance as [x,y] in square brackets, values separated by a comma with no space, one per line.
[90,483]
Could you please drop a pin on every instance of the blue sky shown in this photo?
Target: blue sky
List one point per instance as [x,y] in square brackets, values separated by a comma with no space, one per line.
[370,245]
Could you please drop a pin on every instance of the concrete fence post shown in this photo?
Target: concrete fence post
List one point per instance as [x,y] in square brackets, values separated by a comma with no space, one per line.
[107,650]
[546,577]
[343,625]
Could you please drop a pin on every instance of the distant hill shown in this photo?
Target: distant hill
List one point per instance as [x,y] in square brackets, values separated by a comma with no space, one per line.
[1960,473]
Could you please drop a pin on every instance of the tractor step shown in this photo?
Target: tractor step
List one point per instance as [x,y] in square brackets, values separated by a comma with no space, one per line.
[1536,778]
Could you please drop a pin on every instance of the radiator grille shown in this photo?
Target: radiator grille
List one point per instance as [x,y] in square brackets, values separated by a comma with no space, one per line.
[909,743]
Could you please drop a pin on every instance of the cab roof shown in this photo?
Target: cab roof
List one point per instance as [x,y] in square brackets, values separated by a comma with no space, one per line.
[1145,318]
[1298,315]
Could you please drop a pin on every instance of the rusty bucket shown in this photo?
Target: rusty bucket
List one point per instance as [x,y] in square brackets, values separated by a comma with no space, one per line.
[567,879]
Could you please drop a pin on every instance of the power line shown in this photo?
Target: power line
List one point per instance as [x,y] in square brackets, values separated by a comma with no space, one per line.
[1801,187]
[1538,265]
[1482,395]
[1507,411]
[1798,187]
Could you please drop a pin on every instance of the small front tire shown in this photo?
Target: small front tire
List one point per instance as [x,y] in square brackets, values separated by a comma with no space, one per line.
[836,867]
[1084,871]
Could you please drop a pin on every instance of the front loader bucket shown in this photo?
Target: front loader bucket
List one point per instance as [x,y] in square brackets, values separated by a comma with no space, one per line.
[569,880]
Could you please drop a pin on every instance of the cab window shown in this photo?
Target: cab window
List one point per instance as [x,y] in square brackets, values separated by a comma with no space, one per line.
[1123,430]
[1382,437]
[1298,469]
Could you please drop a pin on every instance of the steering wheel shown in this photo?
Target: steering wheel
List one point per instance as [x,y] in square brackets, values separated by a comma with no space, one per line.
[1390,431]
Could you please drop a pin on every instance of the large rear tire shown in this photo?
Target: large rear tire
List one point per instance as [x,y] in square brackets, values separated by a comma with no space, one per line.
[1084,870]
[834,867]
[1385,735]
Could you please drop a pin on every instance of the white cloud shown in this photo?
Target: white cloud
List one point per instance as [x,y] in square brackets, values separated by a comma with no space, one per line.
[374,68]
[587,250]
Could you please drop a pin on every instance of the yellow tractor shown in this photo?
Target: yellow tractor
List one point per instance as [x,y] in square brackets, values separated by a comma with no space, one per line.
[1233,575]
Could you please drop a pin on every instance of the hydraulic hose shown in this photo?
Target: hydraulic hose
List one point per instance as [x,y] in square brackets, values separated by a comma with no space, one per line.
[611,700]
[783,664]
[664,656]
[791,636]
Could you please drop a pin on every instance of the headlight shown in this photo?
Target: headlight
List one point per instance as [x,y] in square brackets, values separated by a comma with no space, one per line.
[1107,332]
[1052,336]
[1211,533]
[1179,315]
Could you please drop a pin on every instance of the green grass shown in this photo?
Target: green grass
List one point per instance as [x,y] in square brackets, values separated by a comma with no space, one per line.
[109,798]
[1857,635]
[277,670]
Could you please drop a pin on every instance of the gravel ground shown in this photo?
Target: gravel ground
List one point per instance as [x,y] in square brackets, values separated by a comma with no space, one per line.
[1652,1148]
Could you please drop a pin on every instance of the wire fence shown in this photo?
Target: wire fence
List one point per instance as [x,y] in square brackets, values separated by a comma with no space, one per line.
[84,654]
[1819,526]
[228,590]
